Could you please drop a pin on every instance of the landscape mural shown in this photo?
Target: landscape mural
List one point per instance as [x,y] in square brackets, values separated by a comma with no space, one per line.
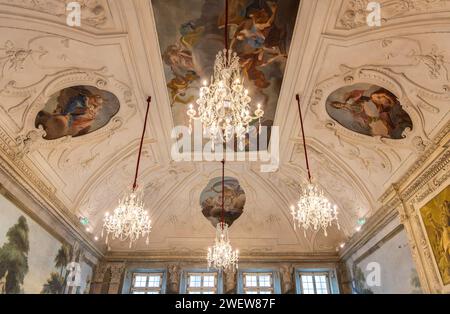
[211,200]
[393,279]
[260,31]
[77,111]
[32,261]
[27,253]
[436,218]
[369,109]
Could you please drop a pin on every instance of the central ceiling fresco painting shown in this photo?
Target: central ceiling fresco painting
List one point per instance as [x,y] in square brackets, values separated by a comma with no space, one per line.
[260,32]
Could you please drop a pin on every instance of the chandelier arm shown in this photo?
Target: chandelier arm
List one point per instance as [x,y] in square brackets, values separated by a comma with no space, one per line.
[303,135]
[149,99]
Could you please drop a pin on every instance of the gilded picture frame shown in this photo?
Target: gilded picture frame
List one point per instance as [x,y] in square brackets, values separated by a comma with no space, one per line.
[434,213]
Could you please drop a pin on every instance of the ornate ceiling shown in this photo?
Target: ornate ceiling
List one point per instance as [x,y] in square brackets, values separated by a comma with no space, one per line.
[117,50]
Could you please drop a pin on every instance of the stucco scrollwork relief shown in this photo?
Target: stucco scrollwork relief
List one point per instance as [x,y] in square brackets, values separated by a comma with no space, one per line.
[353,13]
[95,13]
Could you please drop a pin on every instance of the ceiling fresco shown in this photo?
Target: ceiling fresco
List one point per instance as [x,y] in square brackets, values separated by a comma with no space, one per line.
[211,200]
[76,111]
[260,31]
[370,110]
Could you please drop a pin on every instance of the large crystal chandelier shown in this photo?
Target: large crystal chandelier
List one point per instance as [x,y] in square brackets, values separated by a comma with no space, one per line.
[224,105]
[130,221]
[221,256]
[313,209]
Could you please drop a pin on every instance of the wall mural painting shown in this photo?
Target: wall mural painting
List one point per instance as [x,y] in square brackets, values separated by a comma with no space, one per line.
[211,200]
[32,261]
[436,218]
[260,32]
[387,254]
[369,109]
[28,254]
[77,111]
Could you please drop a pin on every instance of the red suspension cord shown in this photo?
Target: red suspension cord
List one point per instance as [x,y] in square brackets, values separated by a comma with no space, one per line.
[226,30]
[303,135]
[149,99]
[223,193]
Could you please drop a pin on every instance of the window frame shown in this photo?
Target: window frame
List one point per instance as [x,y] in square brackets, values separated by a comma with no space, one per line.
[275,281]
[184,283]
[130,274]
[331,281]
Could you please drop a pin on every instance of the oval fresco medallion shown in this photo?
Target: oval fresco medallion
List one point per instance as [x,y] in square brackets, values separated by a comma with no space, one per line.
[211,200]
[370,110]
[76,111]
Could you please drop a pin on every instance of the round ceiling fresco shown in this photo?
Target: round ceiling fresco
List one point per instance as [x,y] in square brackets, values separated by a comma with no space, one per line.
[77,111]
[369,109]
[211,200]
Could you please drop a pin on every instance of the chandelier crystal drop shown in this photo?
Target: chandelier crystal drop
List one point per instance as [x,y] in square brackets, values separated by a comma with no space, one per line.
[224,105]
[221,256]
[314,210]
[129,221]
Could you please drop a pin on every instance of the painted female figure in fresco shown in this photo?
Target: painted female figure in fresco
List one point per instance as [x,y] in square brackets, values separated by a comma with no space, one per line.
[370,110]
[77,111]
[259,42]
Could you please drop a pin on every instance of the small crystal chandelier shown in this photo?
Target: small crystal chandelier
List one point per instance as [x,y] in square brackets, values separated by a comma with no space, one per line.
[313,210]
[221,256]
[130,221]
[224,105]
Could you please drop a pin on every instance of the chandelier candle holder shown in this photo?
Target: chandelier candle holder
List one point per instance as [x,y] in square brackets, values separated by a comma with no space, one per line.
[221,256]
[314,210]
[224,106]
[129,220]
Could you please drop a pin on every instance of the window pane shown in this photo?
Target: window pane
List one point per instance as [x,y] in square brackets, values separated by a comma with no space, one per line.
[138,292]
[154,281]
[208,281]
[153,292]
[251,292]
[195,281]
[140,281]
[264,281]
[307,284]
[265,292]
[321,284]
[250,281]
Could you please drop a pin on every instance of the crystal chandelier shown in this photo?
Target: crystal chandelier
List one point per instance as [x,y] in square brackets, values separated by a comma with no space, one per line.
[313,209]
[221,256]
[130,221]
[224,105]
